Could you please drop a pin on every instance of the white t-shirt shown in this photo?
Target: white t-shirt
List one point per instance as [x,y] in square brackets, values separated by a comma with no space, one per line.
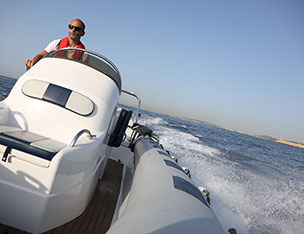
[52,46]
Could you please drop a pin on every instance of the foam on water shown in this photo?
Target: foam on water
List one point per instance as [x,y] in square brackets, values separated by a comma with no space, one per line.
[255,185]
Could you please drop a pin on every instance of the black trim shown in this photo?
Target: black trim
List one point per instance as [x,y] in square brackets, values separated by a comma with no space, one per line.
[6,152]
[173,164]
[120,128]
[163,153]
[187,187]
[57,95]
[156,146]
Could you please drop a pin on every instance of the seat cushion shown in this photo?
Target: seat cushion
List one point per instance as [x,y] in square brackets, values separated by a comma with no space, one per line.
[31,143]
[49,145]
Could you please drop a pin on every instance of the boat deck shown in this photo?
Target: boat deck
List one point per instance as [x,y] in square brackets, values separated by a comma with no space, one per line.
[98,215]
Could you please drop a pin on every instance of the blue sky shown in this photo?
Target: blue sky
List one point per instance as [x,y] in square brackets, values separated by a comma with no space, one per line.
[234,63]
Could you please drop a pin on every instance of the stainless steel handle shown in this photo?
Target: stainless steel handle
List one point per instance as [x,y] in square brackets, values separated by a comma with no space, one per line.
[79,134]
[139,102]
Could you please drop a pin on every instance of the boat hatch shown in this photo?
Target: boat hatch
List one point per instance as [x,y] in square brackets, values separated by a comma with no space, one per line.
[58,95]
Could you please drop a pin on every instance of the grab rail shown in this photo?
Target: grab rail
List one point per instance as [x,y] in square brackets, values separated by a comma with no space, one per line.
[79,134]
[96,54]
[139,103]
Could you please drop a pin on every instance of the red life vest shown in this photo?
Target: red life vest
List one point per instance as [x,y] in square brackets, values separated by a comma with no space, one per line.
[64,42]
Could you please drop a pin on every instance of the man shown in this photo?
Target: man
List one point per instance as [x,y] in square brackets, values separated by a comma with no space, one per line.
[76,31]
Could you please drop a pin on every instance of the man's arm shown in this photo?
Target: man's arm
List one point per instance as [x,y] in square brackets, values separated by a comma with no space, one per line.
[31,63]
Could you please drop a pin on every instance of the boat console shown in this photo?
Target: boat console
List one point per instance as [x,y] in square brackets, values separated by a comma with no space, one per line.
[53,129]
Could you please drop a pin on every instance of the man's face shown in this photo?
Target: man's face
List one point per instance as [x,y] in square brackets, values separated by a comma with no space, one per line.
[73,33]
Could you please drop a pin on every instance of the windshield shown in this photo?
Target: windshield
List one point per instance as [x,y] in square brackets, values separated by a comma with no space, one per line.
[90,59]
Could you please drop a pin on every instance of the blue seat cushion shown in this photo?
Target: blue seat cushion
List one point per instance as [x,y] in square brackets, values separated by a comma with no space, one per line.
[22,140]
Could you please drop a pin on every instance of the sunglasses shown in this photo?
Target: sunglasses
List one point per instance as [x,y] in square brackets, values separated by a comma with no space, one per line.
[76,28]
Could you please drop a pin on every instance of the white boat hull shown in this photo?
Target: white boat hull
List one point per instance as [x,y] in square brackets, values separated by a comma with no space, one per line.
[58,128]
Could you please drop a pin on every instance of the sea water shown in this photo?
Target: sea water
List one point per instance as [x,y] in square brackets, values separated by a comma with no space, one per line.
[256,186]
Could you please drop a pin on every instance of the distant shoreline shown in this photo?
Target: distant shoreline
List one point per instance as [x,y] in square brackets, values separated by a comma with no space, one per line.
[298,145]
[281,141]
